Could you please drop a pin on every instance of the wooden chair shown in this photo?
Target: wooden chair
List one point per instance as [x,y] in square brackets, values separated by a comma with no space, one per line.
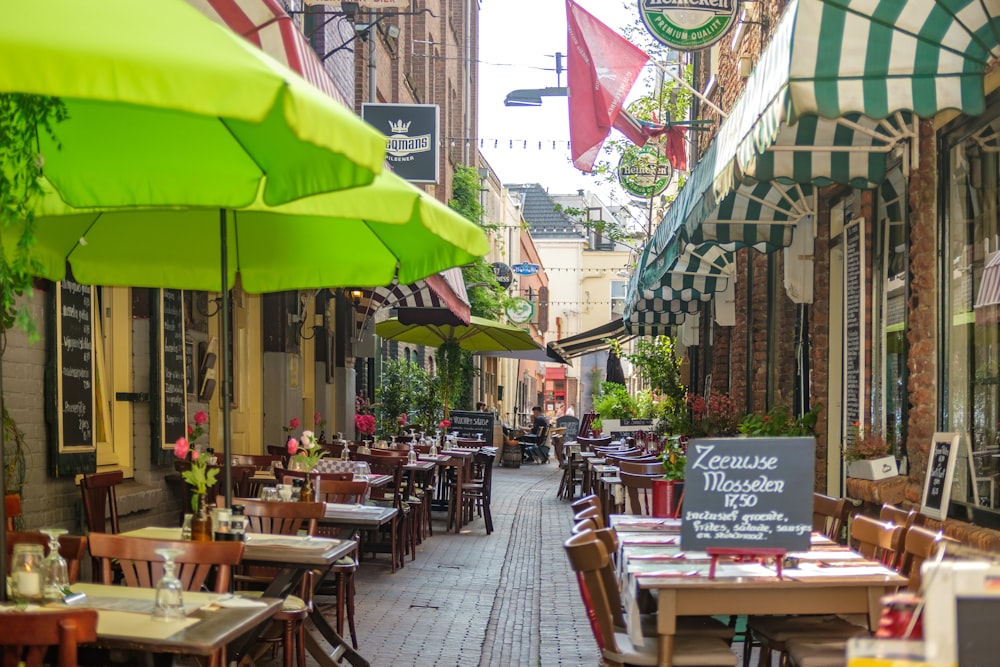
[919,545]
[640,467]
[342,574]
[393,536]
[905,519]
[12,503]
[639,492]
[276,518]
[71,547]
[587,444]
[590,500]
[588,558]
[27,635]
[830,516]
[572,476]
[143,567]
[476,494]
[100,500]
[876,540]
[257,461]
[592,513]
[280,451]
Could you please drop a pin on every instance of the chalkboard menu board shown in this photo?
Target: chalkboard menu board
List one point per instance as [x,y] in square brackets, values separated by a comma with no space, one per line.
[70,380]
[940,472]
[748,493]
[469,424]
[168,388]
[572,426]
[854,325]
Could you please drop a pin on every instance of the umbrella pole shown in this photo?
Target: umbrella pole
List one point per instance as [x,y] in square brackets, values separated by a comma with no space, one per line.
[227,390]
[3,489]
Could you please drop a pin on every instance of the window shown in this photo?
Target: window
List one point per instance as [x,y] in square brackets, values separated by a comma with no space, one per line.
[971,301]
[618,288]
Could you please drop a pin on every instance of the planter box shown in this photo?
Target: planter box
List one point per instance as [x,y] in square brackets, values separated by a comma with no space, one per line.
[627,425]
[875,469]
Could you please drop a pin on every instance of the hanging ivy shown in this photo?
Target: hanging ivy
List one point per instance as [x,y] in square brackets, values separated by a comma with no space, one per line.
[21,118]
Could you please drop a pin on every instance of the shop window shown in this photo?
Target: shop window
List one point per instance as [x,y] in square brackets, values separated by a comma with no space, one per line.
[618,289]
[971,303]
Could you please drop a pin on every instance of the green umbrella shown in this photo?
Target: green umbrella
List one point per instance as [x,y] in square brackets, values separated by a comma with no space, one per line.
[168,108]
[361,237]
[480,335]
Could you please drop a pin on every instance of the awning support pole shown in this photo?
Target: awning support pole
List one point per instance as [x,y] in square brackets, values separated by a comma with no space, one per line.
[694,91]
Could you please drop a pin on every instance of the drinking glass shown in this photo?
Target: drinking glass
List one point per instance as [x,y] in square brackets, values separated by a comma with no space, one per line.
[169,605]
[55,574]
[361,471]
[285,493]
[186,526]
[269,493]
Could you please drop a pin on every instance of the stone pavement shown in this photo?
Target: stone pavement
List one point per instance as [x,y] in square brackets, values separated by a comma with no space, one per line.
[472,599]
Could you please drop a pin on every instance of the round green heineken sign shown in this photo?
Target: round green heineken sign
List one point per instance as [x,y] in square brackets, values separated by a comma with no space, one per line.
[644,172]
[688,25]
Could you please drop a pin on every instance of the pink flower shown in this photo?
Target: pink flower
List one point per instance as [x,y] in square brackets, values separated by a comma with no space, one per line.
[294,424]
[445,423]
[190,430]
[200,418]
[402,419]
[181,448]
[293,446]
[195,454]
[317,418]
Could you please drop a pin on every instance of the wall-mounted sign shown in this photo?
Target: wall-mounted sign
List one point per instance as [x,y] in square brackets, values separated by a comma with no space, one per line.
[520,311]
[688,25]
[526,269]
[367,4]
[644,172]
[413,138]
[503,274]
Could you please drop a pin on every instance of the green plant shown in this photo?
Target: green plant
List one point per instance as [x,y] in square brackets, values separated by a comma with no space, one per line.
[715,416]
[658,364]
[778,422]
[864,444]
[596,424]
[395,393]
[674,458]
[427,401]
[613,402]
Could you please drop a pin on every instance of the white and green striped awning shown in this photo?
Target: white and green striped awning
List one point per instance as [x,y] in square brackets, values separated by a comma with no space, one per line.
[838,87]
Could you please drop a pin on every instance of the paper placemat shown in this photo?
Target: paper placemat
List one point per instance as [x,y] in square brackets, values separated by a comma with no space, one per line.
[648,539]
[134,624]
[291,541]
[814,571]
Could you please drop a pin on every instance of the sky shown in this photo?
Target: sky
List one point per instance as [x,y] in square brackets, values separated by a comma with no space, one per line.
[518,40]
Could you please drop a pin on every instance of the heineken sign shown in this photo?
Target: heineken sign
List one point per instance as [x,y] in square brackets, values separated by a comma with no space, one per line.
[688,25]
[644,172]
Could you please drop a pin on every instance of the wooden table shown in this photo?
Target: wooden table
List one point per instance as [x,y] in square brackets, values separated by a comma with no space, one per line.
[744,588]
[124,627]
[294,562]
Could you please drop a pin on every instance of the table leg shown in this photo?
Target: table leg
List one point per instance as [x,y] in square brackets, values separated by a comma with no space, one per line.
[666,626]
[338,651]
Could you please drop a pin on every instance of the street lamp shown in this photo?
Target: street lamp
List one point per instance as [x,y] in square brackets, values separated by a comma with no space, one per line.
[532,97]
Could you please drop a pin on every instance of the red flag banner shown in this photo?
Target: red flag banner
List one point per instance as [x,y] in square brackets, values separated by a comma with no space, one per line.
[603,67]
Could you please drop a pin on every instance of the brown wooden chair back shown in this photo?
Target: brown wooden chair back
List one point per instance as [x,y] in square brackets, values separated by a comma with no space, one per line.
[589,500]
[386,465]
[588,557]
[289,475]
[587,444]
[243,486]
[277,518]
[829,515]
[27,636]
[590,523]
[281,451]
[143,567]
[589,513]
[875,540]
[639,490]
[100,500]
[640,467]
[903,518]
[71,547]
[342,491]
[919,545]
[12,504]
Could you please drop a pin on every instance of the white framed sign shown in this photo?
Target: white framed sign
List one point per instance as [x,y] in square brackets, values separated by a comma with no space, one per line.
[940,473]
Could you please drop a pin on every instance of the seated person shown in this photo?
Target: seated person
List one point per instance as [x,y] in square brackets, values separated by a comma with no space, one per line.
[533,447]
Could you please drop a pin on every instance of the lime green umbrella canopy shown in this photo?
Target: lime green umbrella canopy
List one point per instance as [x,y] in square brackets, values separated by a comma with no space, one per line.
[480,335]
[167,108]
[361,237]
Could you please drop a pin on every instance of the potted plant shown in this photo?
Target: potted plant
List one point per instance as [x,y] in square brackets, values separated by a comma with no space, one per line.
[867,454]
[613,403]
[668,491]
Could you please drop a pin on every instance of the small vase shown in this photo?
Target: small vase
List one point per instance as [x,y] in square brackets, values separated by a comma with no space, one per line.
[667,495]
[201,523]
[308,494]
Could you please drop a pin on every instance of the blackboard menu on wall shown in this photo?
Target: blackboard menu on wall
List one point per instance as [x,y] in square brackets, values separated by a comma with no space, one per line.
[168,387]
[69,380]
[748,493]
[854,325]
[940,473]
[572,426]
[469,424]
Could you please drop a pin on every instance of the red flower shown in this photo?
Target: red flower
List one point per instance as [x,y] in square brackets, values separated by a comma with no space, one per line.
[200,418]
[445,423]
[317,418]
[294,424]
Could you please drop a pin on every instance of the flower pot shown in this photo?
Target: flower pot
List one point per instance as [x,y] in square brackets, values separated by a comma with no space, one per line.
[667,496]
[874,469]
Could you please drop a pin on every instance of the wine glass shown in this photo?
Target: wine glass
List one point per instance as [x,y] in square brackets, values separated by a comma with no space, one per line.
[55,574]
[169,605]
